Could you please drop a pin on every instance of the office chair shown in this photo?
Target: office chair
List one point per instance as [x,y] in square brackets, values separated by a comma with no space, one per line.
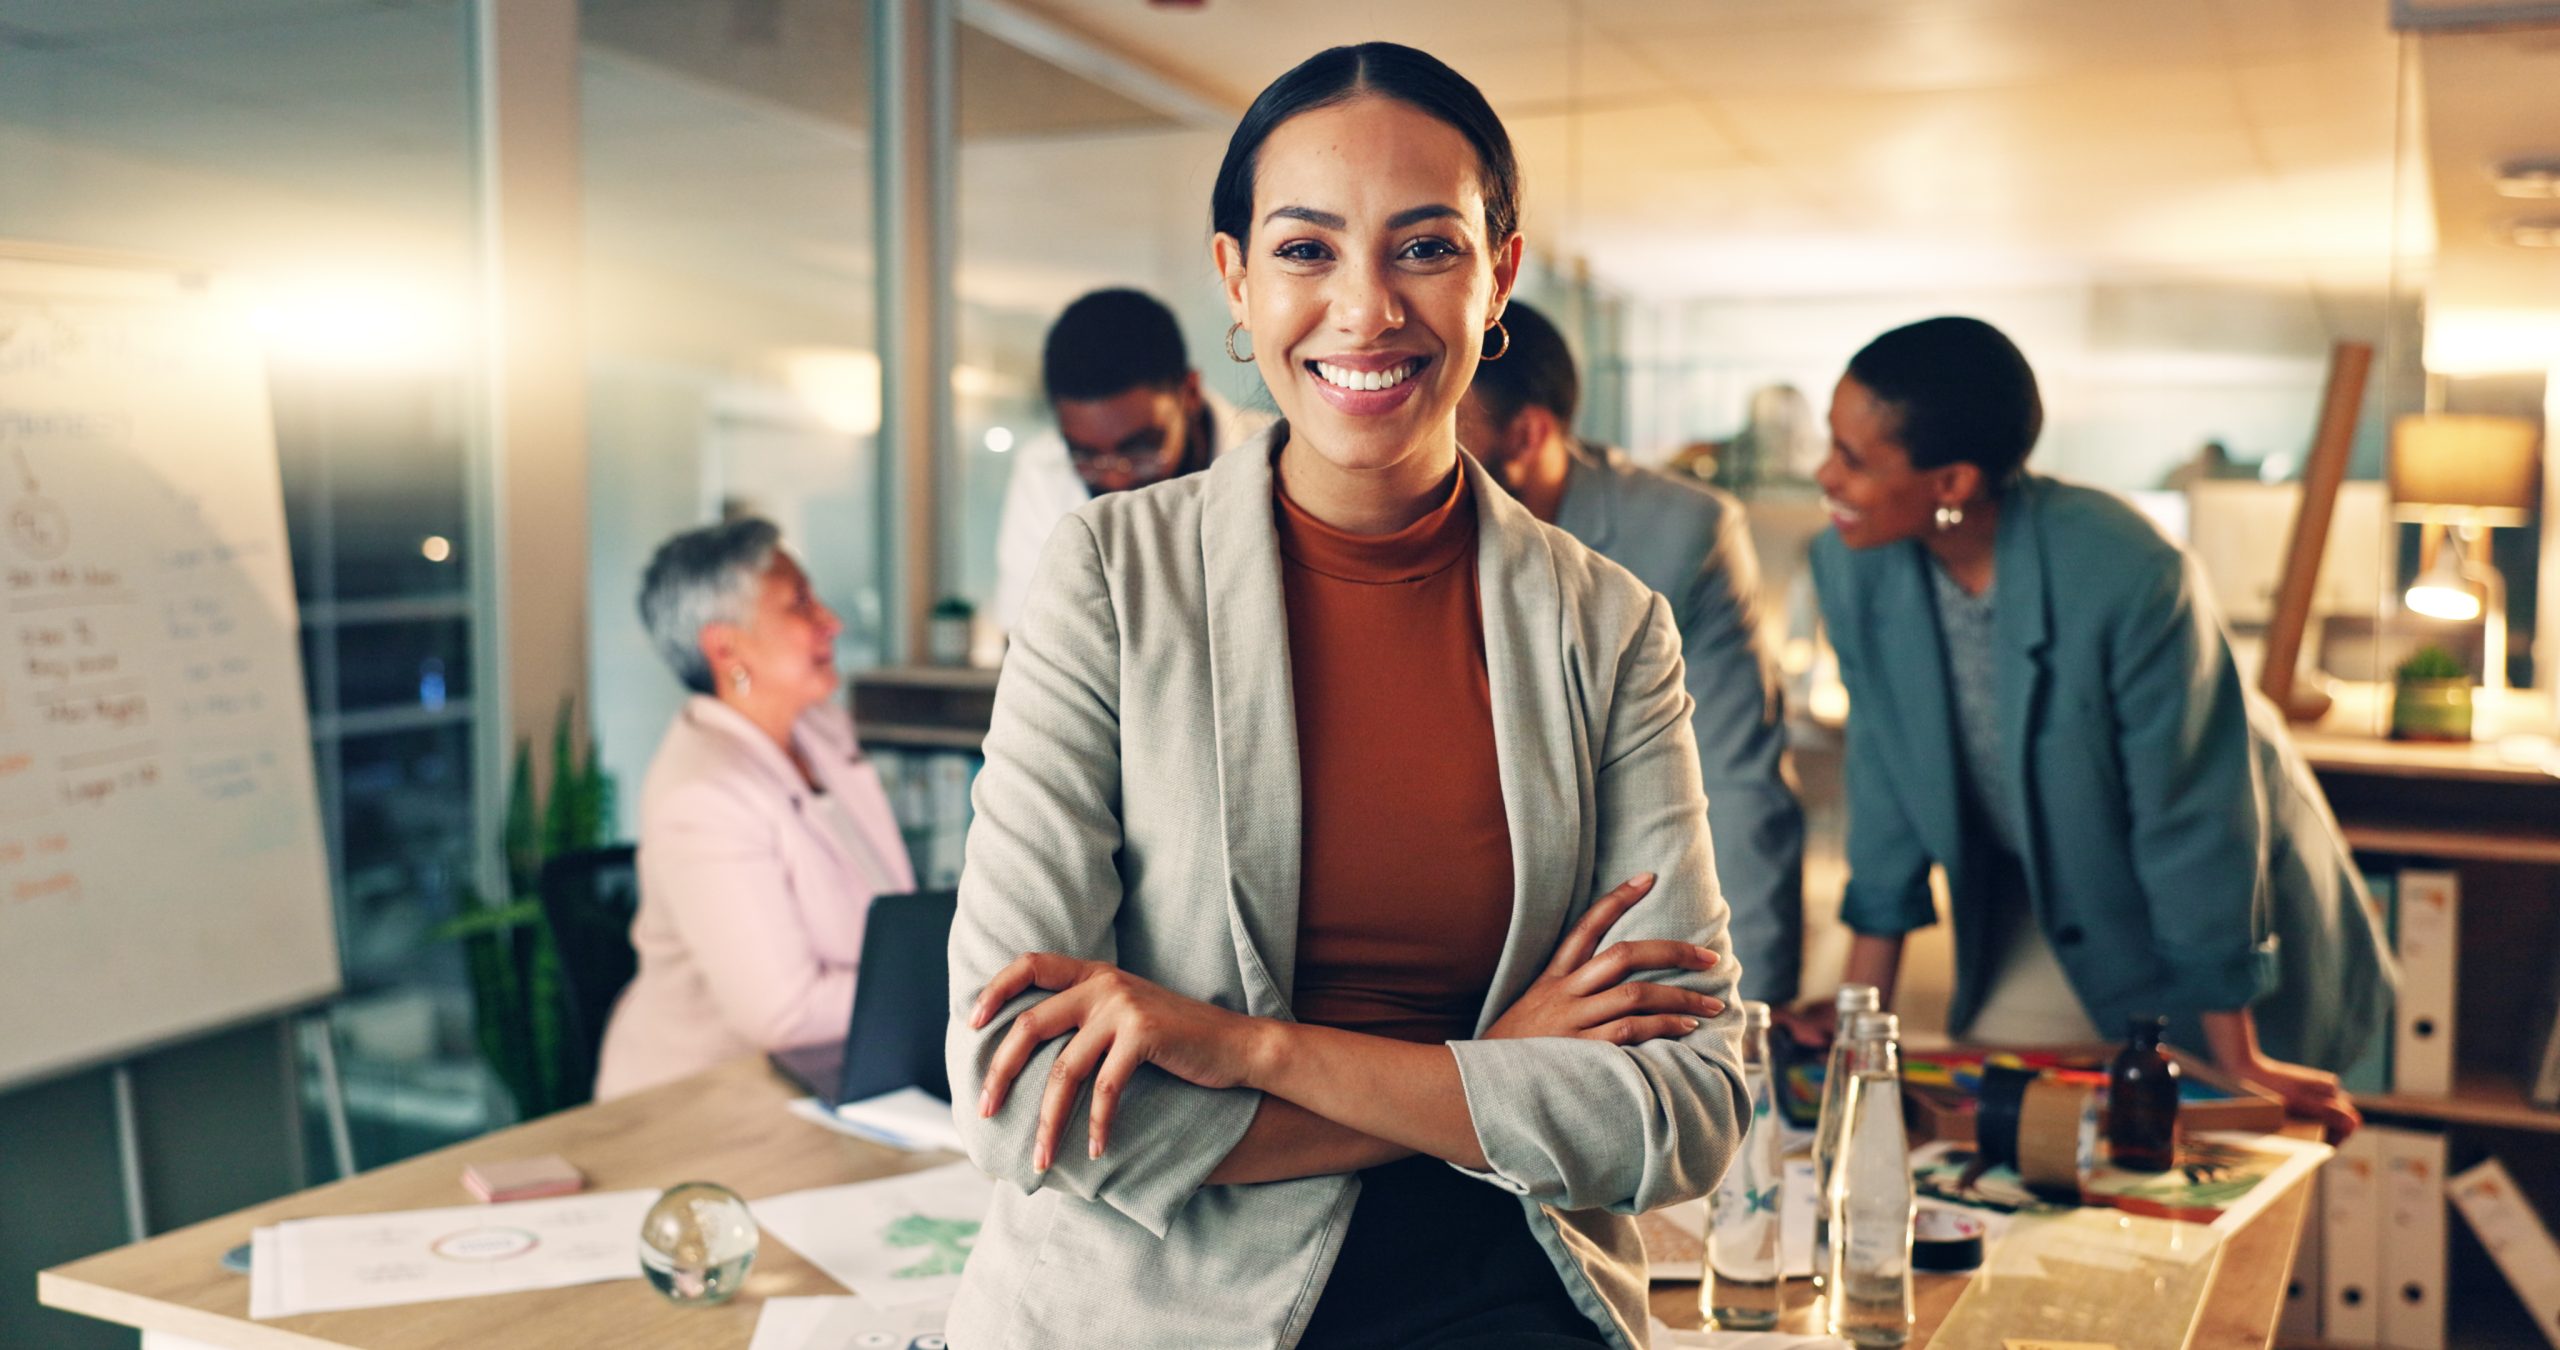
[587,901]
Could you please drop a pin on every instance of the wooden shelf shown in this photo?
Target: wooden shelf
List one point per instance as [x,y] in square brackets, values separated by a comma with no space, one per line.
[2482,1097]
[978,678]
[908,736]
[2454,845]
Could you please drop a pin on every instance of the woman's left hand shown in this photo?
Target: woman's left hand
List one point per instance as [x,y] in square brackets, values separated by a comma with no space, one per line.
[1119,1022]
[2308,1093]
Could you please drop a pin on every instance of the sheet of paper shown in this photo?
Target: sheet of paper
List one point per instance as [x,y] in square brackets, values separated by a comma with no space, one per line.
[1665,1334]
[848,1323]
[897,1241]
[419,1256]
[909,1118]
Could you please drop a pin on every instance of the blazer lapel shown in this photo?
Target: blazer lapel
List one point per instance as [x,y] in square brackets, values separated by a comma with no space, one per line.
[1538,737]
[1911,659]
[2021,630]
[1257,723]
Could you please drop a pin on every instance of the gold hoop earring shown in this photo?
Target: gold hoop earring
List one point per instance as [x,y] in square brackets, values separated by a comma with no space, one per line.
[1232,330]
[1499,352]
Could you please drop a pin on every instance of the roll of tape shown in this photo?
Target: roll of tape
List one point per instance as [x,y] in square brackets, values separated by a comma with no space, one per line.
[1945,1240]
[2057,1131]
[1995,1128]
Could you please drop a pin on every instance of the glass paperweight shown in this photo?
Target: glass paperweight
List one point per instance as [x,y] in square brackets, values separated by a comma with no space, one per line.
[698,1243]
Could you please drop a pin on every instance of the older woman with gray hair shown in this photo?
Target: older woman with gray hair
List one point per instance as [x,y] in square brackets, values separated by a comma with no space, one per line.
[764,835]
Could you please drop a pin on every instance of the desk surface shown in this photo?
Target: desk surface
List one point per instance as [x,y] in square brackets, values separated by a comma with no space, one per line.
[729,1126]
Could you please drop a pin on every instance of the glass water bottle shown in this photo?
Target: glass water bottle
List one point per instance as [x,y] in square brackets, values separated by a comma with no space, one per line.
[1744,1252]
[1871,1197]
[1854,999]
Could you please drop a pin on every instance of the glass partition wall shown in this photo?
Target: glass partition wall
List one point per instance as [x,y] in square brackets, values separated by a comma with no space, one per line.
[323,154]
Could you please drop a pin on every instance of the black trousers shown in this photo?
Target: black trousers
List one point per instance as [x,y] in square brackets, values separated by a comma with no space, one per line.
[1437,1259]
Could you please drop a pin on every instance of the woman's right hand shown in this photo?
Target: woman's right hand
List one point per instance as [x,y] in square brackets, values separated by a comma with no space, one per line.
[1588,993]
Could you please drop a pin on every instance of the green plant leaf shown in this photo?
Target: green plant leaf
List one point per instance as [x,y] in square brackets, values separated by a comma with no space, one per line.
[2432,662]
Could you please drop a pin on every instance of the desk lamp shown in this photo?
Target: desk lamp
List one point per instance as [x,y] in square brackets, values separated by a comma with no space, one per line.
[2461,475]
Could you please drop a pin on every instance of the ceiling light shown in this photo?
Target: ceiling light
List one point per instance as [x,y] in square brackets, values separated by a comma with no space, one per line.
[2536,179]
[2442,592]
[2539,232]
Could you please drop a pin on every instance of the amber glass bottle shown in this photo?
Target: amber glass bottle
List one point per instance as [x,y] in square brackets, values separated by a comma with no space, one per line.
[2142,1101]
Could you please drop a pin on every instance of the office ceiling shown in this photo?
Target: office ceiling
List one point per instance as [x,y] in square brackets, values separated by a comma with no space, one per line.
[1722,146]
[1680,147]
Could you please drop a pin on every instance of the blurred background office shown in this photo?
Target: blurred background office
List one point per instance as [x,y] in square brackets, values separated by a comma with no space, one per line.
[545,281]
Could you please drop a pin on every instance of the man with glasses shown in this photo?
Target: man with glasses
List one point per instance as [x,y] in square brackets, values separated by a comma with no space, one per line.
[1130,410]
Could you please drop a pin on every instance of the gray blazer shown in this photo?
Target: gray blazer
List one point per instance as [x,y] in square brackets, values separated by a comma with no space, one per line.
[1688,542]
[1140,804]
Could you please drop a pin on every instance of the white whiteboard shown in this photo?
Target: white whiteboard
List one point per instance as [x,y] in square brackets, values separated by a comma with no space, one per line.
[161,869]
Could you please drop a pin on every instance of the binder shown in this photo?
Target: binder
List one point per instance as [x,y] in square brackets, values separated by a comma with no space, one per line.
[2351,1243]
[2516,1238]
[2412,1288]
[2430,939]
[2369,1075]
[2540,1068]
[2300,1325]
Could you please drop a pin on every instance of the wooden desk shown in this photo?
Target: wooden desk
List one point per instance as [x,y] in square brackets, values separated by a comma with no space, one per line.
[2240,1310]
[729,1126]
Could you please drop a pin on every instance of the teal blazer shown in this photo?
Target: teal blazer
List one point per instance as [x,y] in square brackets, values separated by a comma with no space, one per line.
[2180,855]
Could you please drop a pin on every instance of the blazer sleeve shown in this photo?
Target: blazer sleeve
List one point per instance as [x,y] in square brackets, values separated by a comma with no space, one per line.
[1581,1124]
[1753,815]
[1042,874]
[2199,831]
[1888,889]
[711,860]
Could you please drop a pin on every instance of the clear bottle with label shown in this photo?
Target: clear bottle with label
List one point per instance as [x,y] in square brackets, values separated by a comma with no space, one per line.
[1854,999]
[1871,1198]
[1745,1257]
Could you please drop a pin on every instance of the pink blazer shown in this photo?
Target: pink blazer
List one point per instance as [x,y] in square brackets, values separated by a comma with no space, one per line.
[751,906]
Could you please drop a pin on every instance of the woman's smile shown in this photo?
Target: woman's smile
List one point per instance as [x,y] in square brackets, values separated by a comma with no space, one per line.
[1366,385]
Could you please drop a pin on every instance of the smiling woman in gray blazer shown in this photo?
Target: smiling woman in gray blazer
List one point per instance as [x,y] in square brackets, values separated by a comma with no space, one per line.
[1308,779]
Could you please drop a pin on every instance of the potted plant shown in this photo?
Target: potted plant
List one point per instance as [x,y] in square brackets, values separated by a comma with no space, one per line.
[2431,698]
[519,1005]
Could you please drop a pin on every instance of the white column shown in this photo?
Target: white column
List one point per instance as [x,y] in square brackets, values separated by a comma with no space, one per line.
[912,77]
[533,503]
[2546,595]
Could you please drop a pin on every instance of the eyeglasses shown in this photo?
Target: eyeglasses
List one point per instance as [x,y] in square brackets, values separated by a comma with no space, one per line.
[1115,462]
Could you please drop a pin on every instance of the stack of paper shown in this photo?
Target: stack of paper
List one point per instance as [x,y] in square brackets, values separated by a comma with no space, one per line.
[910,1118]
[897,1242]
[422,1255]
[847,1324]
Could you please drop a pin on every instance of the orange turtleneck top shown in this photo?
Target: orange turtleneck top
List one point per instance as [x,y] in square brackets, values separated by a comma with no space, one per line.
[1405,850]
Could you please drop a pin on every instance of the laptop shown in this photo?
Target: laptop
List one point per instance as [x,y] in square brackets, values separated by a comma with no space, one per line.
[901,1002]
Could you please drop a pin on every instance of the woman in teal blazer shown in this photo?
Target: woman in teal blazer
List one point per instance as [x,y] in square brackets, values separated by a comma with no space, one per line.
[2043,703]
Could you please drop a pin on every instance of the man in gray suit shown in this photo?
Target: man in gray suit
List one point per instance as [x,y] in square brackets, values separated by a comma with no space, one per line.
[1686,541]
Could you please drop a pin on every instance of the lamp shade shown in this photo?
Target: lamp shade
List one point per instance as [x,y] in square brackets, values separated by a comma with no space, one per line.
[2463,467]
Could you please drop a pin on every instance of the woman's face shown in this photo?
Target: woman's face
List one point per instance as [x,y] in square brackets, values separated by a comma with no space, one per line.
[1368,282]
[1873,493]
[787,647]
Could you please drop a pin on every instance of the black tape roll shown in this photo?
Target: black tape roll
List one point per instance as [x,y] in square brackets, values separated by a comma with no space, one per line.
[1995,1127]
[1944,1240]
